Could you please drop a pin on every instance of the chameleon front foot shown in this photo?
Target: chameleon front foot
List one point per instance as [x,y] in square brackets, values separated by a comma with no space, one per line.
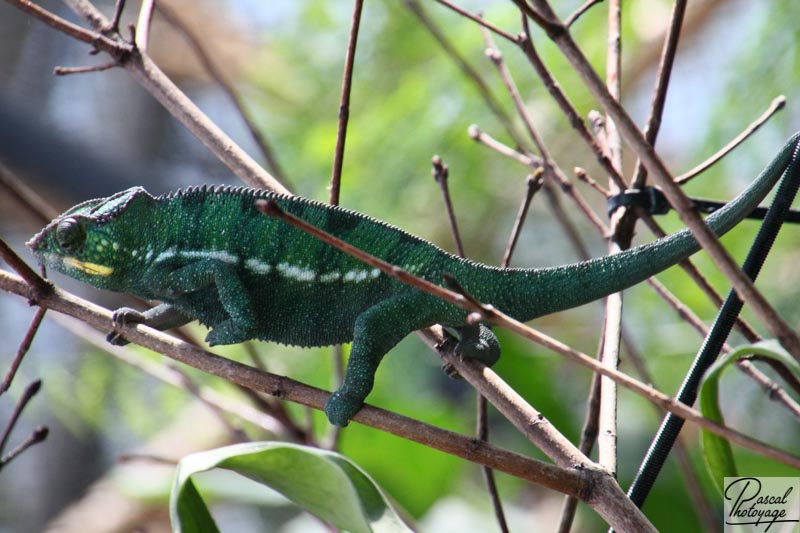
[341,407]
[122,317]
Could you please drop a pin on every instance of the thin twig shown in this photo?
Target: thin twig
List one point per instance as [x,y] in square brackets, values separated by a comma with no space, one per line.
[38,435]
[217,75]
[344,103]
[584,176]
[570,20]
[440,173]
[562,217]
[468,70]
[482,137]
[117,50]
[21,194]
[30,391]
[160,87]
[113,26]
[659,98]
[685,209]
[776,105]
[23,349]
[66,71]
[147,457]
[482,433]
[566,106]
[537,164]
[533,183]
[38,285]
[550,168]
[773,391]
[781,369]
[476,18]
[700,280]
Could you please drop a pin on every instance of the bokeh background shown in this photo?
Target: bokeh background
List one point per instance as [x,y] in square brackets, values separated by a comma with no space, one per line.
[89,135]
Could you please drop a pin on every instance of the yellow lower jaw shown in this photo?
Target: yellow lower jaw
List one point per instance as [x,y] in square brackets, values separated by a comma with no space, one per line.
[89,268]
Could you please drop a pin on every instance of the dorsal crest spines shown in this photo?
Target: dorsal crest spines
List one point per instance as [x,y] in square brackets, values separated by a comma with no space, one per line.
[203,192]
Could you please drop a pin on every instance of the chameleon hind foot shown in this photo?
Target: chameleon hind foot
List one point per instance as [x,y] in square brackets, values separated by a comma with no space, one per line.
[478,342]
[341,407]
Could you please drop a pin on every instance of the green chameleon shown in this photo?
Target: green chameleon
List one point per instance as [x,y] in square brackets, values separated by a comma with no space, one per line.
[208,254]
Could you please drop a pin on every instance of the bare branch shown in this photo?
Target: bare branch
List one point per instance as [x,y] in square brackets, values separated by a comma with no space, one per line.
[22,350]
[741,283]
[568,481]
[217,75]
[160,87]
[776,105]
[659,98]
[570,20]
[533,183]
[344,103]
[440,174]
[475,18]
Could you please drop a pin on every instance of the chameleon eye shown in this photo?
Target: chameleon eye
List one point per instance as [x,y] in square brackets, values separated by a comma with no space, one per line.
[70,234]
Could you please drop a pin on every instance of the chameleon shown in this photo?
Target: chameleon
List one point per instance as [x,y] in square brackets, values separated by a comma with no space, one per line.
[207,253]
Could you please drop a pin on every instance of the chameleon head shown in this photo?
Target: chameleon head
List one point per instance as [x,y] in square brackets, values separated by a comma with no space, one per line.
[89,242]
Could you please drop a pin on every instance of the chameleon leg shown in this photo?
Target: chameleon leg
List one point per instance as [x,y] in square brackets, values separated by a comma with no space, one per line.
[232,294]
[376,331]
[478,342]
[162,317]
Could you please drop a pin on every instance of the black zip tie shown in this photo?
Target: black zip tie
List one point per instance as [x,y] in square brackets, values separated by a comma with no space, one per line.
[671,425]
[653,201]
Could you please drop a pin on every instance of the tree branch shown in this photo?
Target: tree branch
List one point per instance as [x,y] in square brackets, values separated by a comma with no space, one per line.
[568,481]
[159,86]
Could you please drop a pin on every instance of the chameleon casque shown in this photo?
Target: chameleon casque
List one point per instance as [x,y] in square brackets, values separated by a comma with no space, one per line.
[208,254]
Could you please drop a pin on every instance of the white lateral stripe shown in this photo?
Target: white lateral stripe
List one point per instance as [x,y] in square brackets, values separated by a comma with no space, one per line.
[163,256]
[330,276]
[356,275]
[257,266]
[296,272]
[217,255]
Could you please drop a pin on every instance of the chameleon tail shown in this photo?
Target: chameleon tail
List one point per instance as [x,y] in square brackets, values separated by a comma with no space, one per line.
[528,293]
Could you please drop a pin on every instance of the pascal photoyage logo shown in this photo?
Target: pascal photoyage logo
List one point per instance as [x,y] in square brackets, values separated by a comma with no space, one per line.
[759,504]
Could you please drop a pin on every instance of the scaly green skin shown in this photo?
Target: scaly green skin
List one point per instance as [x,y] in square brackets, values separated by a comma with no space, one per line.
[208,254]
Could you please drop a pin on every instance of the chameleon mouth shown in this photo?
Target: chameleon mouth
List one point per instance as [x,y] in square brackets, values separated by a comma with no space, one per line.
[89,268]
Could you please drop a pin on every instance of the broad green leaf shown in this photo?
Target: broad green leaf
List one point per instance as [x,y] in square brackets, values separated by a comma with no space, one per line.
[324,483]
[191,514]
[716,450]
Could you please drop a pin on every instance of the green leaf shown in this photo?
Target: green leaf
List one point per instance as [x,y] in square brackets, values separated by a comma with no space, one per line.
[716,450]
[324,483]
[191,515]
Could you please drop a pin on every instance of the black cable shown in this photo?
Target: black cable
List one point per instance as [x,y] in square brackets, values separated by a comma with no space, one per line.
[652,200]
[671,425]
